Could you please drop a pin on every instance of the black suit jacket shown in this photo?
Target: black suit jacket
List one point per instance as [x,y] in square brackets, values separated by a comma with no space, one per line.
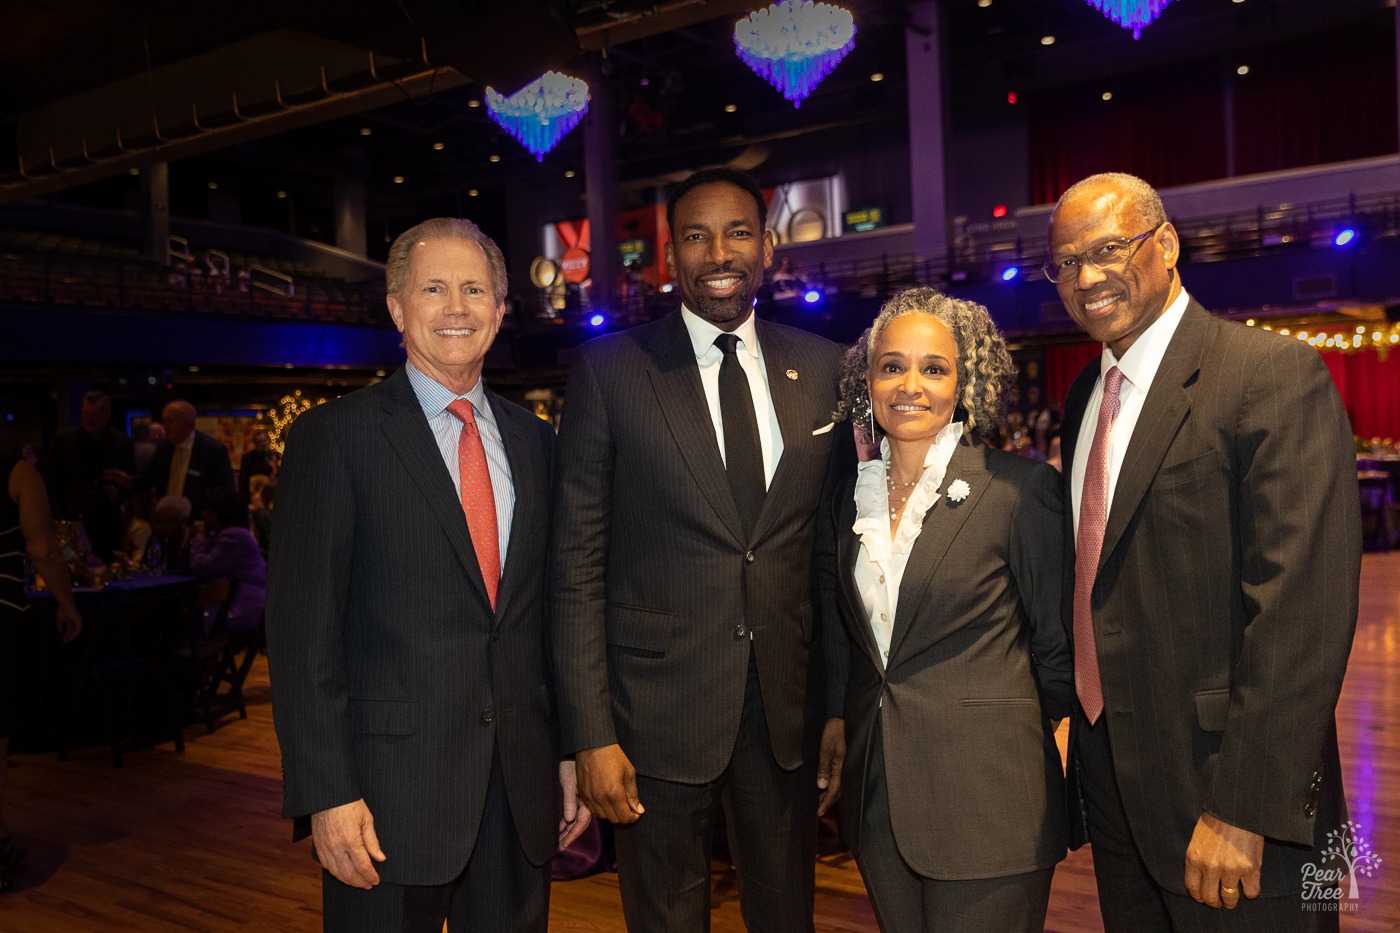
[209,469]
[392,678]
[1226,595]
[979,663]
[655,586]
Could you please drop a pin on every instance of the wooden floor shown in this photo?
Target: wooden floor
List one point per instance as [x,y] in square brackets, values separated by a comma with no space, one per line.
[192,842]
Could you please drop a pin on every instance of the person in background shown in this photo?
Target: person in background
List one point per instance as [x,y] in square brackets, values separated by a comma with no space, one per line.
[168,549]
[258,460]
[26,528]
[263,497]
[950,567]
[145,437]
[188,462]
[1214,545]
[138,511]
[221,545]
[87,469]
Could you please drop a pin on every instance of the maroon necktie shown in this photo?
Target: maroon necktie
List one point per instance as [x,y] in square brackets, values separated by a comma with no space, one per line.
[478,499]
[1093,517]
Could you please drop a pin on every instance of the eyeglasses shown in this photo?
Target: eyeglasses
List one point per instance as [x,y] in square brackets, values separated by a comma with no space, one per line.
[1104,256]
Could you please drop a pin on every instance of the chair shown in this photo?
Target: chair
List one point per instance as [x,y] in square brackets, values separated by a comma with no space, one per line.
[128,653]
[224,690]
[206,648]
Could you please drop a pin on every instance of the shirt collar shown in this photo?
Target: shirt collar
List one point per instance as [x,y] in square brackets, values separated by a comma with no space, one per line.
[1139,364]
[187,443]
[435,397]
[703,334]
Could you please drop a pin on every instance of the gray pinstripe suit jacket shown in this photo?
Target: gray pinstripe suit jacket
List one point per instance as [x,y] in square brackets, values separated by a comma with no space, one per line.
[654,586]
[392,678]
[1226,595]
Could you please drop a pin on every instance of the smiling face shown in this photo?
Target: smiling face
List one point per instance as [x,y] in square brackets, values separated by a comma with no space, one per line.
[914,378]
[1114,305]
[447,313]
[718,253]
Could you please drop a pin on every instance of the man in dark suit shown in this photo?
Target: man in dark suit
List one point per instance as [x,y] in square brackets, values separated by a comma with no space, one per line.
[258,460]
[1213,585]
[87,469]
[690,658]
[188,462]
[406,629]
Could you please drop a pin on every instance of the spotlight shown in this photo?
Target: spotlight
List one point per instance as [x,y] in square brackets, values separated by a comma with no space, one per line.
[1345,236]
[597,320]
[1010,273]
[811,296]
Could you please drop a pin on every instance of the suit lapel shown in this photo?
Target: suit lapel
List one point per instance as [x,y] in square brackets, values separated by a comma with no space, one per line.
[847,553]
[675,378]
[794,417]
[411,439]
[1163,412]
[941,526]
[526,476]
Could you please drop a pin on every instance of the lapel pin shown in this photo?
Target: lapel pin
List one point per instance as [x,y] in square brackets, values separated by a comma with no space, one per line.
[792,374]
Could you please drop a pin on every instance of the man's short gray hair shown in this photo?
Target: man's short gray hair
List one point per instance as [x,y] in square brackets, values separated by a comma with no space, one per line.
[1143,197]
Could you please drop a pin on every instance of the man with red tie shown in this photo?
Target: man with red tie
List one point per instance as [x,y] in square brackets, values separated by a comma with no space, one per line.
[411,691]
[1215,546]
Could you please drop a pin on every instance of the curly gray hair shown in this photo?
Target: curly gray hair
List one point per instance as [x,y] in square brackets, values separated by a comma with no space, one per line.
[984,366]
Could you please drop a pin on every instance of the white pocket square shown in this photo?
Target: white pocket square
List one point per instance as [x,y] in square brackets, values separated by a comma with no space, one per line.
[824,430]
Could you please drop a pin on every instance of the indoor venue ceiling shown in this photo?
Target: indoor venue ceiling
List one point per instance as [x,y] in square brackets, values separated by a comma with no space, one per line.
[265,97]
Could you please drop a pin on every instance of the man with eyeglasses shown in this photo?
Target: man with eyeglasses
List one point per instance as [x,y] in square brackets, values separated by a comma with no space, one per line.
[1215,536]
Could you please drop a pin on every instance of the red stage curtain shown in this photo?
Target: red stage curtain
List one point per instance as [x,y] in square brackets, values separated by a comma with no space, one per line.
[1370,389]
[1062,363]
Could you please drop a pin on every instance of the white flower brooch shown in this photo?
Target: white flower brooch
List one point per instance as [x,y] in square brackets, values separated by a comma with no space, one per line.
[958,490]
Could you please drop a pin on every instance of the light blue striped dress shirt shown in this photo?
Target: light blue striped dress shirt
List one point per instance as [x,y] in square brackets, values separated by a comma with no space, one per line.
[435,397]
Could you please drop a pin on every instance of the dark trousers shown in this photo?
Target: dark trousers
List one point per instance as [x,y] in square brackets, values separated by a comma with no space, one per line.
[1129,899]
[663,859]
[499,891]
[907,901]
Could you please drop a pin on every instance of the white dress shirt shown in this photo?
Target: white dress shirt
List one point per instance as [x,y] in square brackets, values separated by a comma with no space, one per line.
[446,428]
[750,355]
[1139,368]
[880,564]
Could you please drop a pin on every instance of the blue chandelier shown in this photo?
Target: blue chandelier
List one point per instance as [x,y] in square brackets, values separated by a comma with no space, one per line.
[794,45]
[1131,14]
[542,112]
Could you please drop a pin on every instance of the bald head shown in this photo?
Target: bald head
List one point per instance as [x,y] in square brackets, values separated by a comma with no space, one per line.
[178,418]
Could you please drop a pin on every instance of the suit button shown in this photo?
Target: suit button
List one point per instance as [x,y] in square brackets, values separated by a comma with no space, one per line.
[488,714]
[1310,811]
[749,558]
[740,631]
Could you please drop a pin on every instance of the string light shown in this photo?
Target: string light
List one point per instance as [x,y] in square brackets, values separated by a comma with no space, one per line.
[1378,336]
[289,409]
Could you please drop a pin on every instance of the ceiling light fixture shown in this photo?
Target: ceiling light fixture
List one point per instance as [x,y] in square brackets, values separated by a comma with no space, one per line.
[438,147]
[539,114]
[365,131]
[398,179]
[1047,40]
[569,173]
[1242,70]
[493,158]
[730,108]
[794,46]
[1131,14]
[1108,95]
[877,77]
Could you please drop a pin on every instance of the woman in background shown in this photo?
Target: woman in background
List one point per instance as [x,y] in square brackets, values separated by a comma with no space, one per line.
[949,582]
[221,545]
[26,527]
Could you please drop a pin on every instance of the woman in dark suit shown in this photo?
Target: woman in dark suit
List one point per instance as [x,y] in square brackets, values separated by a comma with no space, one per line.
[950,574]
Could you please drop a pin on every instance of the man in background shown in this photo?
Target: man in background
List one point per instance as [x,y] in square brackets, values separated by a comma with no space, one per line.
[87,469]
[188,462]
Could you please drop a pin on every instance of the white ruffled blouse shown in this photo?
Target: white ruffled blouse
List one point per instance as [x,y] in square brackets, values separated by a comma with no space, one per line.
[881,561]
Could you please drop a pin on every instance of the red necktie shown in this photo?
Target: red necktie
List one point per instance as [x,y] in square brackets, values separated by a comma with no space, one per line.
[1093,517]
[478,500]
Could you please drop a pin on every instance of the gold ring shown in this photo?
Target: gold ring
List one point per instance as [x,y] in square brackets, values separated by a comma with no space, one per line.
[1225,890]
